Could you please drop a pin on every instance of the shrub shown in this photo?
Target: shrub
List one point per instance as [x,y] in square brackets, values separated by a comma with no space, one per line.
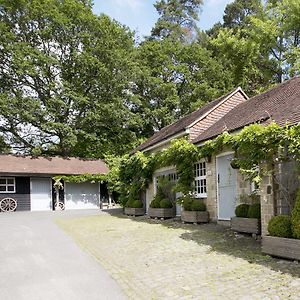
[155,203]
[242,210]
[295,220]
[187,202]
[198,205]
[254,211]
[137,204]
[166,203]
[129,203]
[280,226]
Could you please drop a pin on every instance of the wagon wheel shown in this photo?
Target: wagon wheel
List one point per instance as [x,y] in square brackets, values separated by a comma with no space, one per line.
[8,204]
[61,206]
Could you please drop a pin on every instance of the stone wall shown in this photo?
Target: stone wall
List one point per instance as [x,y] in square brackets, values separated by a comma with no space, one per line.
[211,185]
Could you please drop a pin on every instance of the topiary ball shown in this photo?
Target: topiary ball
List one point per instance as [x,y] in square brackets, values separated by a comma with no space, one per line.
[129,203]
[187,203]
[166,203]
[241,210]
[254,211]
[296,217]
[280,226]
[155,204]
[198,205]
[137,204]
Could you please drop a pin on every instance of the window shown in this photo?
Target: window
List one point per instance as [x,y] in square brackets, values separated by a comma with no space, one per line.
[171,175]
[7,185]
[200,179]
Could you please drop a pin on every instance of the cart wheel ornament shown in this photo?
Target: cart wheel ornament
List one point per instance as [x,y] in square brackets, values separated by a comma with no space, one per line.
[60,205]
[8,204]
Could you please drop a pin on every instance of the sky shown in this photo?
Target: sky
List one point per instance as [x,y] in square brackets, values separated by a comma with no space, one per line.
[140,15]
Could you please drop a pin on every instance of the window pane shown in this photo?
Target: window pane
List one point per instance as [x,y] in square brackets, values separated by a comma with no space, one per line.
[2,188]
[2,181]
[10,181]
[10,188]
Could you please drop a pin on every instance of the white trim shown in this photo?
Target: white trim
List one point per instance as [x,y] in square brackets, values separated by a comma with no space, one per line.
[183,133]
[239,89]
[6,185]
[224,153]
[201,195]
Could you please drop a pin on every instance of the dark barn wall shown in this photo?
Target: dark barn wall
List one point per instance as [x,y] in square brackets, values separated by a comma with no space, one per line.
[22,195]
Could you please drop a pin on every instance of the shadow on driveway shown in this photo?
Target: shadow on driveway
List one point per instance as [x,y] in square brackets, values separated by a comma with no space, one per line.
[223,240]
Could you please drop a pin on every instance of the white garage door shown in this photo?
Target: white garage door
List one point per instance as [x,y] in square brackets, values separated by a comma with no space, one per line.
[82,195]
[41,195]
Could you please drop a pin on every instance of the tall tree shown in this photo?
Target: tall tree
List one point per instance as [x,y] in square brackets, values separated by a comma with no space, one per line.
[64,78]
[177,19]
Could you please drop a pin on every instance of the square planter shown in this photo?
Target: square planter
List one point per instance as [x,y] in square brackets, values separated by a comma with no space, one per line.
[161,212]
[195,216]
[134,211]
[247,225]
[281,247]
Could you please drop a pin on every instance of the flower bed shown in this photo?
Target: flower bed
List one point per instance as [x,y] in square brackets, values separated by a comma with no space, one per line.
[130,211]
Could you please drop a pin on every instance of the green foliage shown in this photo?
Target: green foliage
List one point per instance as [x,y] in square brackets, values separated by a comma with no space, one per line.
[198,205]
[155,203]
[295,220]
[187,201]
[280,226]
[165,203]
[183,155]
[64,75]
[137,204]
[241,210]
[254,211]
[177,19]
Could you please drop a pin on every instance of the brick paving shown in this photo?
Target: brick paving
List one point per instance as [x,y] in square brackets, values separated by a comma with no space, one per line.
[153,259]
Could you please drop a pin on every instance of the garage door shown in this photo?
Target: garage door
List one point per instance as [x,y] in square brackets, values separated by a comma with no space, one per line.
[82,195]
[41,196]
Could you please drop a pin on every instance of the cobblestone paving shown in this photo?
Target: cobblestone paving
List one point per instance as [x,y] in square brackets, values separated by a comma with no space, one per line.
[168,260]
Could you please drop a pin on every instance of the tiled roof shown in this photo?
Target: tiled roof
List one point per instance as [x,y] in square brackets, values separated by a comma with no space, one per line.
[280,104]
[13,164]
[180,125]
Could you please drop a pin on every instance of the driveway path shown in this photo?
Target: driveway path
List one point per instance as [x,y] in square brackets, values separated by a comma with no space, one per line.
[168,260]
[39,261]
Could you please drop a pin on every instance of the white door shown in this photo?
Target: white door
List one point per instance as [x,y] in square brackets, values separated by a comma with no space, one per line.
[41,194]
[227,180]
[82,195]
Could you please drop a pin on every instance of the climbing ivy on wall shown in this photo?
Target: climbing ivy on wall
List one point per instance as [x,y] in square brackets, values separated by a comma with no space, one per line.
[257,148]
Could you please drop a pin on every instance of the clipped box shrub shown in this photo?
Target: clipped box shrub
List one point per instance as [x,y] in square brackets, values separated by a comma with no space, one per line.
[129,203]
[280,226]
[155,203]
[241,210]
[137,204]
[254,211]
[198,205]
[295,220]
[187,203]
[166,203]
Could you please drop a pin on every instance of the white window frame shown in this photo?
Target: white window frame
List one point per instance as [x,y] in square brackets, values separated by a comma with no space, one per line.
[7,185]
[200,180]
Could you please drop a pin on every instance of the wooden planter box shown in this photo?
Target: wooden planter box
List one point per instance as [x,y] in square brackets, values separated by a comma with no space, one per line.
[195,216]
[134,211]
[247,225]
[161,212]
[281,247]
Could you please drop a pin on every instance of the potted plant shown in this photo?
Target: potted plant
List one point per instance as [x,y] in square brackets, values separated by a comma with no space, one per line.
[194,210]
[247,217]
[134,208]
[284,235]
[162,206]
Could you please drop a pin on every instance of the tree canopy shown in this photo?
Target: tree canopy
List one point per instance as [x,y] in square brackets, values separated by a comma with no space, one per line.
[74,83]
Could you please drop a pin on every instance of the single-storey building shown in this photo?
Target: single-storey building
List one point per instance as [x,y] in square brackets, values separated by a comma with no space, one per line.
[29,181]
[215,180]
[191,126]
